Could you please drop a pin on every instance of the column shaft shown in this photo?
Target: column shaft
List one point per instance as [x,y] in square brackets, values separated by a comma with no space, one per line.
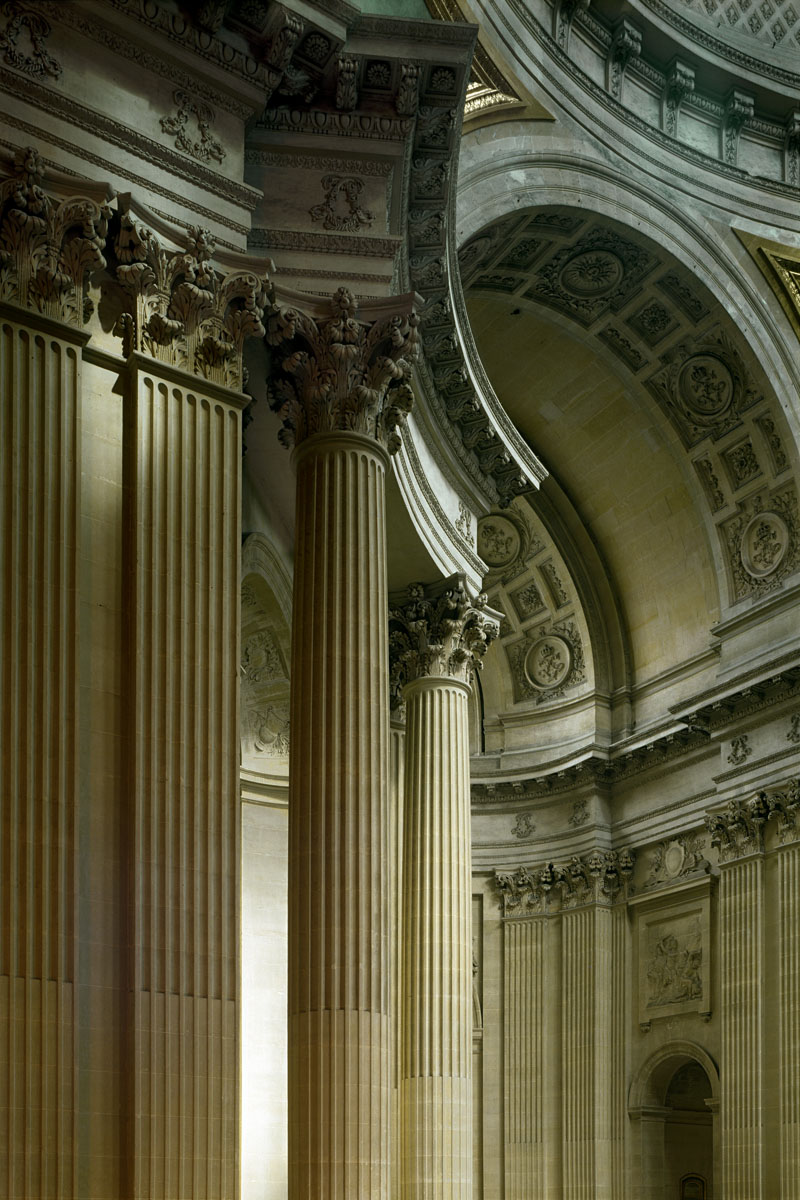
[741,921]
[397,744]
[181,563]
[339,968]
[788,869]
[525,1004]
[40,374]
[437,977]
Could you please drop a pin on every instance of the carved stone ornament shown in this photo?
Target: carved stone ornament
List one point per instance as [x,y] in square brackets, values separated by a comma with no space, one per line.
[183,311]
[524,826]
[596,878]
[678,83]
[340,209]
[548,662]
[739,830]
[49,248]
[342,373]
[202,145]
[24,25]
[706,387]
[498,541]
[677,857]
[439,631]
[764,544]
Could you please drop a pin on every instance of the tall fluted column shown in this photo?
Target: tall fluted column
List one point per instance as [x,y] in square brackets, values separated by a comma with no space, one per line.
[50,245]
[342,381]
[739,834]
[397,760]
[183,330]
[437,638]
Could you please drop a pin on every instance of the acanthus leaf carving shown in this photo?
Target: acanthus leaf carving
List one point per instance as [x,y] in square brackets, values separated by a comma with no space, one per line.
[342,373]
[439,631]
[48,248]
[182,310]
[596,878]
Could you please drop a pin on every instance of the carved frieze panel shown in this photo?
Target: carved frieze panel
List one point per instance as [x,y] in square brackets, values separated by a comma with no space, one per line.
[741,463]
[527,601]
[652,322]
[773,443]
[762,542]
[674,961]
[711,483]
[49,246]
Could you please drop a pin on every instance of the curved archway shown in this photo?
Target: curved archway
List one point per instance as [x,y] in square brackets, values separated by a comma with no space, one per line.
[673,1102]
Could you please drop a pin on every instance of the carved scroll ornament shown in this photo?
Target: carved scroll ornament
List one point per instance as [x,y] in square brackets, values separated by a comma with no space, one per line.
[342,373]
[48,247]
[182,310]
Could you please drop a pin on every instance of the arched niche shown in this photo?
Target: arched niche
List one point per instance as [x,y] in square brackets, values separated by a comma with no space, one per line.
[673,1106]
[265,655]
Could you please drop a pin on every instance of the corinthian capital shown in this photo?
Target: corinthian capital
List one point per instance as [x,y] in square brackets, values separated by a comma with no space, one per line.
[181,309]
[439,631]
[49,246]
[342,373]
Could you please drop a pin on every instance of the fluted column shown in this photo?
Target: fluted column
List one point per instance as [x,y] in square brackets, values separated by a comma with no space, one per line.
[341,381]
[397,758]
[182,503]
[50,246]
[438,636]
[739,834]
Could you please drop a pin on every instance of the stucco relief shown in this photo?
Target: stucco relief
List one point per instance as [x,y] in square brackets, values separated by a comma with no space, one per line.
[674,949]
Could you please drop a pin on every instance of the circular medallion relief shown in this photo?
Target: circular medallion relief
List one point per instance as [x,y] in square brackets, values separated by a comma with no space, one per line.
[592,273]
[706,386]
[548,662]
[498,541]
[765,542]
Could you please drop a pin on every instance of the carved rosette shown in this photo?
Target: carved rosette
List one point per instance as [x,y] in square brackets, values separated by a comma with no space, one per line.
[439,632]
[183,311]
[49,248]
[739,830]
[596,878]
[343,374]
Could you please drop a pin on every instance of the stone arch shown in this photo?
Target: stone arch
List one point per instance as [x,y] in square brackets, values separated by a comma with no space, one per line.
[650,1115]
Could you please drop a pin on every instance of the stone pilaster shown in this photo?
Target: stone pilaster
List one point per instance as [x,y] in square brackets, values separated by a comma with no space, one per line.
[48,247]
[563,924]
[182,503]
[438,637]
[342,384]
[738,833]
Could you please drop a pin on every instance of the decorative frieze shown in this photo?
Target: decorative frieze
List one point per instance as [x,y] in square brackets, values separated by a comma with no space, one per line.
[677,858]
[181,310]
[597,878]
[342,373]
[341,209]
[439,631]
[49,247]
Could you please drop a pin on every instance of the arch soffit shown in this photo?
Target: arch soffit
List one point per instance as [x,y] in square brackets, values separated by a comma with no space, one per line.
[515,176]
[650,1083]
